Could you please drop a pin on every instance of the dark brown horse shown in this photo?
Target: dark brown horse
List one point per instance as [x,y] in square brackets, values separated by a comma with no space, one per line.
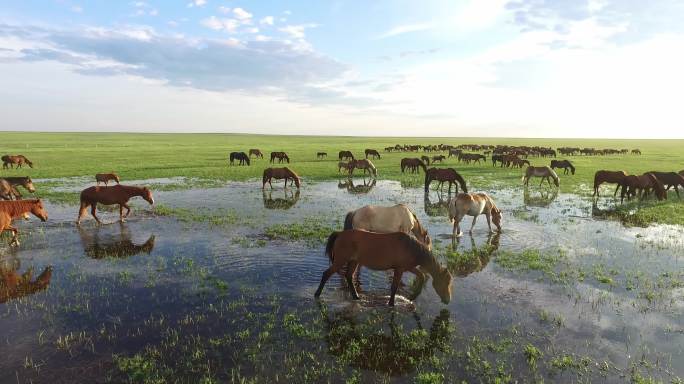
[10,210]
[372,153]
[14,286]
[321,155]
[383,251]
[412,164]
[641,186]
[670,179]
[257,153]
[345,155]
[118,194]
[19,160]
[442,175]
[437,158]
[241,157]
[281,156]
[105,177]
[565,164]
[278,174]
[611,177]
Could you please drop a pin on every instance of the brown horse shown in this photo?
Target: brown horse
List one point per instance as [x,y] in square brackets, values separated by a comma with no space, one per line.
[612,177]
[321,155]
[437,158]
[19,160]
[7,191]
[281,156]
[105,177]
[241,157]
[257,153]
[372,153]
[565,164]
[412,164]
[442,175]
[640,186]
[278,174]
[670,179]
[118,194]
[383,251]
[10,210]
[14,286]
[364,164]
[24,181]
[345,155]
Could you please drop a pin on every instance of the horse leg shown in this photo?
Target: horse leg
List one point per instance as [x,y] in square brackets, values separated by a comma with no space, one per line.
[93,209]
[326,275]
[541,182]
[395,285]
[616,189]
[473,225]
[121,217]
[352,267]
[81,212]
[457,226]
[488,215]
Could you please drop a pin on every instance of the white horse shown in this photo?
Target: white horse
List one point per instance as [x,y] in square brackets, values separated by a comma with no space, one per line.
[473,204]
[544,172]
[397,218]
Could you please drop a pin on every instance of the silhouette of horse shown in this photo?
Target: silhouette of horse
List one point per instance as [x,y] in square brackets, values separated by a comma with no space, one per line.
[373,153]
[240,156]
[345,155]
[612,177]
[412,164]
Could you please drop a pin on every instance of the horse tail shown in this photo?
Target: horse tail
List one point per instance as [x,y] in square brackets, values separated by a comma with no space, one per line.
[462,182]
[330,244]
[348,220]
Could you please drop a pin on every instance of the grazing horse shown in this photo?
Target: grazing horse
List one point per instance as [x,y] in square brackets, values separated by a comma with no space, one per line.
[437,158]
[412,164]
[442,175]
[612,177]
[281,156]
[345,155]
[425,159]
[10,210]
[321,155]
[373,153]
[670,179]
[364,164]
[14,286]
[473,204]
[257,153]
[278,174]
[544,172]
[640,186]
[565,164]
[397,218]
[240,156]
[105,177]
[19,160]
[117,194]
[636,151]
[342,165]
[7,191]
[383,251]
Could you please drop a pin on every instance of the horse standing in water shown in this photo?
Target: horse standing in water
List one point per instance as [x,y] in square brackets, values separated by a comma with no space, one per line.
[383,251]
[24,181]
[14,286]
[544,172]
[640,186]
[278,174]
[473,204]
[670,179]
[613,177]
[10,210]
[106,177]
[442,175]
[397,218]
[118,194]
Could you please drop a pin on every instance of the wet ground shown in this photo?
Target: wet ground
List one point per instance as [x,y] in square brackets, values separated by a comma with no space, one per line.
[217,284]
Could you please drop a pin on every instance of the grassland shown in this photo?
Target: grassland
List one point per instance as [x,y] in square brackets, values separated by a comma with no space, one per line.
[203,157]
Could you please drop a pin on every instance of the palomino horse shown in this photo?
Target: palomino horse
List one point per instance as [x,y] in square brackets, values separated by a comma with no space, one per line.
[612,177]
[640,186]
[670,179]
[383,251]
[442,175]
[10,210]
[14,286]
[345,155]
[412,164]
[565,164]
[473,204]
[364,164]
[241,157]
[7,191]
[278,174]
[117,194]
[544,172]
[281,156]
[397,218]
[19,160]
[372,153]
[257,153]
[105,177]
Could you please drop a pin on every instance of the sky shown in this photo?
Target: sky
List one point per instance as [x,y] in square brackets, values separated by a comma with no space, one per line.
[484,68]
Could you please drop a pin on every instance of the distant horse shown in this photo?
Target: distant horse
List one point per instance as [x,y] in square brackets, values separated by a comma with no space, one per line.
[565,164]
[497,159]
[321,155]
[257,153]
[397,218]
[640,186]
[612,177]
[412,164]
[342,165]
[442,175]
[14,286]
[437,158]
[280,203]
[519,162]
[373,153]
[345,155]
[425,159]
[670,179]
[382,251]
[240,156]
[19,160]
[105,177]
[117,194]
[364,164]
[636,151]
[473,204]
[278,174]
[281,156]
[10,210]
[7,191]
[544,172]
[24,181]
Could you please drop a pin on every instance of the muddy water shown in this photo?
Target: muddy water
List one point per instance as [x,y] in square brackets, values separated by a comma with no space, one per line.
[120,289]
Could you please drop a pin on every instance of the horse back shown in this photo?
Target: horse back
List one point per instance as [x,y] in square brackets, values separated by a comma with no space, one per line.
[378,251]
[397,218]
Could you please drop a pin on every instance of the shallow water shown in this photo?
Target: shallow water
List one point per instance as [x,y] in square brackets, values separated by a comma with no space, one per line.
[125,288]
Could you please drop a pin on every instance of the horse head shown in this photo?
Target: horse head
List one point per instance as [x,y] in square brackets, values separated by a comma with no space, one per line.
[496,217]
[39,211]
[441,282]
[28,184]
[147,195]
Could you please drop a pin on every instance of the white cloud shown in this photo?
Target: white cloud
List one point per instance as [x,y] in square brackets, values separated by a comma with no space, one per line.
[242,15]
[252,30]
[402,29]
[224,9]
[228,25]
[268,20]
[197,3]
[297,31]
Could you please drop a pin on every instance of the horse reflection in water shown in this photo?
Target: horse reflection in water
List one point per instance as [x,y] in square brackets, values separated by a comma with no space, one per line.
[14,285]
[365,187]
[288,201]
[440,208]
[367,344]
[478,256]
[98,245]
[543,198]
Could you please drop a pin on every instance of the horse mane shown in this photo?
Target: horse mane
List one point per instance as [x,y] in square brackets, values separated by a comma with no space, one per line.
[461,181]
[292,172]
[422,253]
[554,175]
[657,185]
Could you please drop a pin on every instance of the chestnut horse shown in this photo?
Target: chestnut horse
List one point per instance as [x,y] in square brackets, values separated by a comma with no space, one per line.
[105,177]
[19,160]
[544,172]
[640,186]
[612,177]
[118,194]
[364,164]
[24,181]
[281,156]
[397,218]
[442,175]
[10,210]
[278,174]
[412,164]
[670,179]
[383,251]
[14,286]
[257,153]
[473,204]
[565,164]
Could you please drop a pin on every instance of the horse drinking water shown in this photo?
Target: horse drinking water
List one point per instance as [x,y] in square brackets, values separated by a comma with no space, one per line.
[473,204]
[397,218]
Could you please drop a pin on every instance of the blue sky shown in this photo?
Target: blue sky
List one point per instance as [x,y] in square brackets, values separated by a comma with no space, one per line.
[595,68]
